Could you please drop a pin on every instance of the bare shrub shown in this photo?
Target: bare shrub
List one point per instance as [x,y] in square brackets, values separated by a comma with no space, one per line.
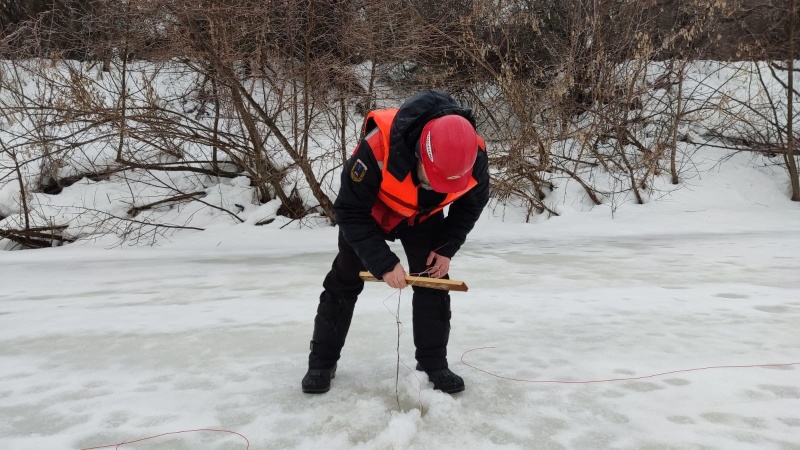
[181,99]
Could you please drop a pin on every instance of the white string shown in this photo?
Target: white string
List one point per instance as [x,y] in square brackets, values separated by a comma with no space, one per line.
[400,360]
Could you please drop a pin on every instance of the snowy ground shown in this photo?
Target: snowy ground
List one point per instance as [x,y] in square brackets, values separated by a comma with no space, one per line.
[211,330]
[101,346]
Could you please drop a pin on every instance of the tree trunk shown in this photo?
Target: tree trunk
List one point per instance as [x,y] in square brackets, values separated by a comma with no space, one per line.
[23,194]
[215,135]
[343,126]
[790,161]
[678,117]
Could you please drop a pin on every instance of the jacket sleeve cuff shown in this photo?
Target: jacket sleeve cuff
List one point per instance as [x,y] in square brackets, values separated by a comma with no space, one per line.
[387,267]
[446,250]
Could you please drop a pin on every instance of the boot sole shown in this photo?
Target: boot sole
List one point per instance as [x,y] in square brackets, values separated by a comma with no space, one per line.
[316,391]
[455,391]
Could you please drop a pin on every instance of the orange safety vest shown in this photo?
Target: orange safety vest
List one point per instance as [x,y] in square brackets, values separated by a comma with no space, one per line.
[397,199]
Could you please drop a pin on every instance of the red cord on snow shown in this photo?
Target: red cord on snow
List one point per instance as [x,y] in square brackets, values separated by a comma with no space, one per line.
[616,379]
[116,446]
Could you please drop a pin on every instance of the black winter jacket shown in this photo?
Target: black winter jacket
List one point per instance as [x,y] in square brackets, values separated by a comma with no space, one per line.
[353,206]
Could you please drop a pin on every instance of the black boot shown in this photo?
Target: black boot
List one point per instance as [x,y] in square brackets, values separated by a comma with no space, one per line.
[444,380]
[330,331]
[318,381]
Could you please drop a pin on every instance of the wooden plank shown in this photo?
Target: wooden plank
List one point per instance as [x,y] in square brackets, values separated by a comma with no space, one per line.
[433,283]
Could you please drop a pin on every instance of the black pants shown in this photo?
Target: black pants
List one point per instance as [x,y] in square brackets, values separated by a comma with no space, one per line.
[342,285]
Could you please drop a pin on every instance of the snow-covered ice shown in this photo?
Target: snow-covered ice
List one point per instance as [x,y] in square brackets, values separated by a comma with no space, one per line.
[102,346]
[210,331]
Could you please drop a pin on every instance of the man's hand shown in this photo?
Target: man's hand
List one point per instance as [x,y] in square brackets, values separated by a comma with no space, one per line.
[396,278]
[438,265]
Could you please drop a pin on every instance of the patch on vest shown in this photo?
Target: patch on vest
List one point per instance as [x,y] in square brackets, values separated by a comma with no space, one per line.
[359,171]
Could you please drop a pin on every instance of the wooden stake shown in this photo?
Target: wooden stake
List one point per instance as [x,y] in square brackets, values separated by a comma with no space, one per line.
[433,283]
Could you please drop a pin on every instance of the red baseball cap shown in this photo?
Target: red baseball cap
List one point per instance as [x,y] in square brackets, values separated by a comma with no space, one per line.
[448,147]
